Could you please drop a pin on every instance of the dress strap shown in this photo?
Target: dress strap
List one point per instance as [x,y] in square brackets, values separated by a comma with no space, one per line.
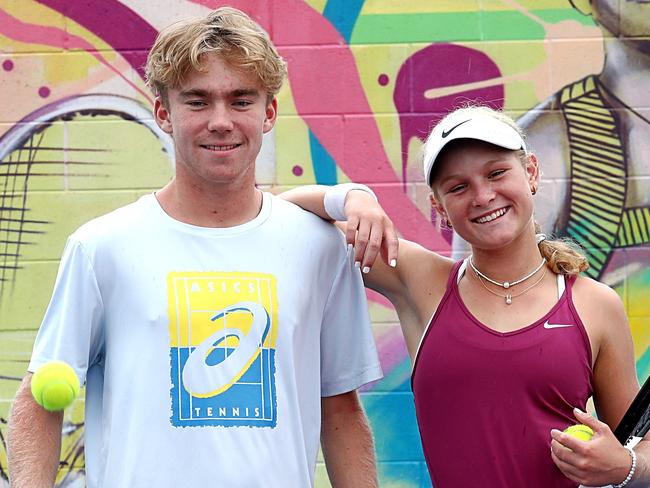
[561,285]
[461,270]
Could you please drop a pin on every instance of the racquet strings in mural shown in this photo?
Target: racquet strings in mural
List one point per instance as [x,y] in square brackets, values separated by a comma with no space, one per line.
[42,158]
[14,224]
[74,144]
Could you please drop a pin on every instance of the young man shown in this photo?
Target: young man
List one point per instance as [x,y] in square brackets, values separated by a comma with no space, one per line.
[220,331]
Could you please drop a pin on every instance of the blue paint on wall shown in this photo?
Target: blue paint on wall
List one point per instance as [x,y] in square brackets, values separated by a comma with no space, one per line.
[397,440]
[324,164]
[343,15]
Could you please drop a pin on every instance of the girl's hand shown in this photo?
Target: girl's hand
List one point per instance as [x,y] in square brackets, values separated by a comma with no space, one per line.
[369,230]
[598,462]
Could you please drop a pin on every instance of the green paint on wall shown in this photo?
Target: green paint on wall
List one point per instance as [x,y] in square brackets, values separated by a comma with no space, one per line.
[406,28]
[457,26]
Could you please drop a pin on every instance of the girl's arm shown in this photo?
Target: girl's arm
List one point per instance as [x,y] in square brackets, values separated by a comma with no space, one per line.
[603,460]
[360,217]
[410,276]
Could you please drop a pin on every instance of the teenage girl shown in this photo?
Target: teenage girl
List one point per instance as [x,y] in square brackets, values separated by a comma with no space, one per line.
[509,344]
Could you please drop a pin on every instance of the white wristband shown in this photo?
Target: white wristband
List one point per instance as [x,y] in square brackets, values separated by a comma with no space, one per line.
[334,200]
[632,469]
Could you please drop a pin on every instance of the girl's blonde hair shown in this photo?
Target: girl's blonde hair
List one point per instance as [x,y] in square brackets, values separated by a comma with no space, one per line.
[227,32]
[563,255]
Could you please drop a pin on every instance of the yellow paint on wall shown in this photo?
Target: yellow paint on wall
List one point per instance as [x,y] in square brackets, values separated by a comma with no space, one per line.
[374,7]
[640,335]
[383,61]
[70,67]
[375,61]
[292,149]
[389,130]
[318,5]
[371,7]
[286,105]
[500,5]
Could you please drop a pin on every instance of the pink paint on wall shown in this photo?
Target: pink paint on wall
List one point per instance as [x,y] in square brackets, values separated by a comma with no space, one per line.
[52,36]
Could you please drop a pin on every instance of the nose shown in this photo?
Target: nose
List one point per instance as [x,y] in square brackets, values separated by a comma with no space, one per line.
[483,195]
[220,119]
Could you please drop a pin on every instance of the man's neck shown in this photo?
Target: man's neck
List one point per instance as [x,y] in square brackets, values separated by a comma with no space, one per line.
[626,69]
[226,205]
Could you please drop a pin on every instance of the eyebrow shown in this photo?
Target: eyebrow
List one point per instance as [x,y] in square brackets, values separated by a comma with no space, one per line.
[245,92]
[240,92]
[193,92]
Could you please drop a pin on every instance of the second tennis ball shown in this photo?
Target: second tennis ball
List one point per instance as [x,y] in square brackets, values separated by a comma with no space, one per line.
[55,385]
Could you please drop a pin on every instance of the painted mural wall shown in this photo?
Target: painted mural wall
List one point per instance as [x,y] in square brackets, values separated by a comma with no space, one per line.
[367,79]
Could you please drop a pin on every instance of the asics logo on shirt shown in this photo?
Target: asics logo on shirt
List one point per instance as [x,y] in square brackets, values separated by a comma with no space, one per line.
[202,379]
[548,325]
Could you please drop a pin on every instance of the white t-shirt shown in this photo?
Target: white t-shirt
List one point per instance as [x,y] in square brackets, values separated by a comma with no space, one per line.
[206,351]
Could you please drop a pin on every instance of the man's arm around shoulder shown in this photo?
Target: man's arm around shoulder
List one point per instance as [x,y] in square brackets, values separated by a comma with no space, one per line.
[33,442]
[347,442]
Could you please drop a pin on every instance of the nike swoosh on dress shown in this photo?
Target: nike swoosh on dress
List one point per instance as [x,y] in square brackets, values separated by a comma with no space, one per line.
[548,325]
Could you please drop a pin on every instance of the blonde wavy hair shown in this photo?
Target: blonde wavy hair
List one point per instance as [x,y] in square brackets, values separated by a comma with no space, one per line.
[227,32]
[563,255]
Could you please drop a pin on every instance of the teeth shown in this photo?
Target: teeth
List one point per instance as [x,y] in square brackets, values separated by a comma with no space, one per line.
[221,148]
[492,216]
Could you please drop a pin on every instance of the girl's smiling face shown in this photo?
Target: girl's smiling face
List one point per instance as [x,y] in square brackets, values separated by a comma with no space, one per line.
[485,192]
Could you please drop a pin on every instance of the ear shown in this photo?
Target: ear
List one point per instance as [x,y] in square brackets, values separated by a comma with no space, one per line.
[162,116]
[437,206]
[532,171]
[271,115]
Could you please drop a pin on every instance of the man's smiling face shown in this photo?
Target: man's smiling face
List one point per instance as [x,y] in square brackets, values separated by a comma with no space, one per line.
[217,118]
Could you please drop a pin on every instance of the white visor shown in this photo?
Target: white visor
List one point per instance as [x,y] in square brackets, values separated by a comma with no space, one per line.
[481,127]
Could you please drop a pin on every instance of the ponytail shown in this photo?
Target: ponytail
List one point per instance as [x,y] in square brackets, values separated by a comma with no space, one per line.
[563,256]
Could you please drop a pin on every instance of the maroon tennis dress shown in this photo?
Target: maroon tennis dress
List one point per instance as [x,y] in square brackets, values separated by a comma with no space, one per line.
[486,401]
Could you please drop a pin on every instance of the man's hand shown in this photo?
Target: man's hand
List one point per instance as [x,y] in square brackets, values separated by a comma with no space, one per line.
[369,230]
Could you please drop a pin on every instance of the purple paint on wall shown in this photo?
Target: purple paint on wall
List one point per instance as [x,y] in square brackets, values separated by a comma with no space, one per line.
[440,66]
[115,23]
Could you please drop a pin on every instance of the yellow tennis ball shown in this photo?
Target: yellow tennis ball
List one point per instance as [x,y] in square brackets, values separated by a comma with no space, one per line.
[580,431]
[55,385]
